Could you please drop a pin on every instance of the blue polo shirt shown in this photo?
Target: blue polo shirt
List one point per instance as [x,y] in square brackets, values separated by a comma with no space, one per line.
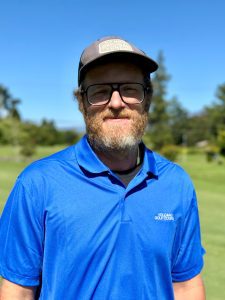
[70,223]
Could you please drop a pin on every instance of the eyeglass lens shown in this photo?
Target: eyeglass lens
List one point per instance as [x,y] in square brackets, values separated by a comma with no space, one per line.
[131,93]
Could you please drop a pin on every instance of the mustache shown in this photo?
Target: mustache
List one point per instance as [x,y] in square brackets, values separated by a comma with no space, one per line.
[116,114]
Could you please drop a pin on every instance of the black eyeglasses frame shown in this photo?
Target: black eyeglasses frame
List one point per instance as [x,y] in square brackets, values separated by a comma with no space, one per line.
[114,87]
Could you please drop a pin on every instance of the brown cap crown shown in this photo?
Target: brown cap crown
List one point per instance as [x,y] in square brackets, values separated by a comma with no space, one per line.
[110,48]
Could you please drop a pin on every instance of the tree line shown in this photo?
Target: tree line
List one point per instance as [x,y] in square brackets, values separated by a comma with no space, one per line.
[17,132]
[170,124]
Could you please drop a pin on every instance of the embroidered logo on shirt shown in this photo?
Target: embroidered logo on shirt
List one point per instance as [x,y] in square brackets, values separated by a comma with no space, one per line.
[164,217]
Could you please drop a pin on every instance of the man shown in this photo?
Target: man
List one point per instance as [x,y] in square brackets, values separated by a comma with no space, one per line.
[107,218]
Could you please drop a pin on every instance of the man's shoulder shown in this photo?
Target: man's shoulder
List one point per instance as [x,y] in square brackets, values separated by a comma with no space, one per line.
[49,165]
[162,161]
[167,167]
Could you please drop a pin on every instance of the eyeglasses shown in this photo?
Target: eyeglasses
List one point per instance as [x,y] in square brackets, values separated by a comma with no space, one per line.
[100,94]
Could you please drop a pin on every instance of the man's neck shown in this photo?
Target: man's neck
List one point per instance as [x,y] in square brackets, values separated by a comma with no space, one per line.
[119,160]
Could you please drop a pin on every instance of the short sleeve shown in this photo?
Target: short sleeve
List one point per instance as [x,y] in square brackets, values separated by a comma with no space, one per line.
[189,261]
[21,238]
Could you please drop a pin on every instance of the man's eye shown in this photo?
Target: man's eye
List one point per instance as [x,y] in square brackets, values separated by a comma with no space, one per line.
[129,89]
[99,92]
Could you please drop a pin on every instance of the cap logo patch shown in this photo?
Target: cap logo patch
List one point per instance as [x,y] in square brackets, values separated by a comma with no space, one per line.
[114,45]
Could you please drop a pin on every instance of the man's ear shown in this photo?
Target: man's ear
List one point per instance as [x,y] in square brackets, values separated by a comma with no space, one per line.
[77,94]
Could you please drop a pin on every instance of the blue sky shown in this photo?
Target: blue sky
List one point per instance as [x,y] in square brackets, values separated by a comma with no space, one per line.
[41,42]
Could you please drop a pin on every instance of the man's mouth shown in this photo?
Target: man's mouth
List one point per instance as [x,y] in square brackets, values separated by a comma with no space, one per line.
[119,117]
[116,119]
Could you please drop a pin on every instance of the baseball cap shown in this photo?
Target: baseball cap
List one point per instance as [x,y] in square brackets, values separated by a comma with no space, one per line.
[112,48]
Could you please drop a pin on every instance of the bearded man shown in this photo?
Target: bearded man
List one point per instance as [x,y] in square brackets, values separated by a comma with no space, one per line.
[106,218]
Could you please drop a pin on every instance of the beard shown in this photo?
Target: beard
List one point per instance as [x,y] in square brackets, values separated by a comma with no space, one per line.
[113,137]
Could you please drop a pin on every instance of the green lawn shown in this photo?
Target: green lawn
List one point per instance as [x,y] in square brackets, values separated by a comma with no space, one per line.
[11,165]
[209,180]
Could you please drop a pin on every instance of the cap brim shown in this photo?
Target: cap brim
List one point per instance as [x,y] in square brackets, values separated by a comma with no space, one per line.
[145,62]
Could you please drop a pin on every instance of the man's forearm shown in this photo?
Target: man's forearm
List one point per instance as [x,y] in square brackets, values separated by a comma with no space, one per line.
[192,289]
[12,291]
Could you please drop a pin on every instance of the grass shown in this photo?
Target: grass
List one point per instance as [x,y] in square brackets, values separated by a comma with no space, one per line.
[11,164]
[209,180]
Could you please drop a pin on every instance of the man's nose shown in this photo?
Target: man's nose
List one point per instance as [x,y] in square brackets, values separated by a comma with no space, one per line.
[116,101]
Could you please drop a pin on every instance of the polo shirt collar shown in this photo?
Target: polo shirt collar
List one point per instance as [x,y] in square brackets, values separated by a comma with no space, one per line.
[88,160]
[149,162]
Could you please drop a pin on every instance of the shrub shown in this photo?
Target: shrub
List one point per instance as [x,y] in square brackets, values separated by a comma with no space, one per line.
[170,151]
[27,150]
[212,153]
[221,142]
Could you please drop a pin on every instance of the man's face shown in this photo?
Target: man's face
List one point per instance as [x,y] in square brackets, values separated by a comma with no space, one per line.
[115,125]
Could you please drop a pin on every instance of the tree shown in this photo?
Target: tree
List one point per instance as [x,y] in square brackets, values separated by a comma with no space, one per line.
[159,131]
[27,135]
[68,137]
[47,133]
[216,112]
[4,98]
[13,111]
[10,130]
[178,121]
[198,129]
[220,94]
[8,105]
